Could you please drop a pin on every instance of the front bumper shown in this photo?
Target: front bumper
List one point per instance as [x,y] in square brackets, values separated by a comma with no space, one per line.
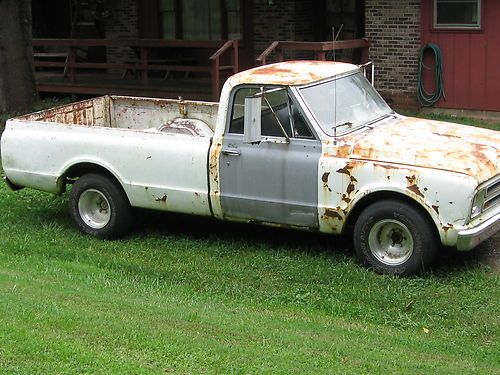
[470,238]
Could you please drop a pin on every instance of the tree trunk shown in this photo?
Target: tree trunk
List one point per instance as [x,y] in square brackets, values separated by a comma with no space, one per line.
[17,81]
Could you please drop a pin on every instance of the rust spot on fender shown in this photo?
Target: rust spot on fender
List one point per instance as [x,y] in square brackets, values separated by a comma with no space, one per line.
[416,190]
[324,178]
[352,180]
[345,170]
[162,199]
[350,188]
[344,151]
[383,166]
[447,227]
[435,208]
[411,179]
[332,214]
[346,199]
[413,187]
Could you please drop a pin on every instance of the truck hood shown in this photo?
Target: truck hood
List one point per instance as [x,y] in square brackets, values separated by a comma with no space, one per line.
[432,144]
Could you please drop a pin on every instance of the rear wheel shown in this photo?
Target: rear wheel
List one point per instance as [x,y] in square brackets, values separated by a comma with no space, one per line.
[99,207]
[396,238]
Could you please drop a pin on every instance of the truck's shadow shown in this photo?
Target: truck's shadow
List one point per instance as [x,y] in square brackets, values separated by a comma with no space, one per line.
[209,228]
[448,259]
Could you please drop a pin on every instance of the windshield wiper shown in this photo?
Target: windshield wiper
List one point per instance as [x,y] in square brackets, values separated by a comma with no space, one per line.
[349,124]
[369,123]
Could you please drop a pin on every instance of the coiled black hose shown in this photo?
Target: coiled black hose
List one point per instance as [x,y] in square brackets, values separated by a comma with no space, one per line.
[428,99]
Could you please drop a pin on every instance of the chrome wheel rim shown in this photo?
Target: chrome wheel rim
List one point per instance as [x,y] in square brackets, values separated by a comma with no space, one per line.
[94,209]
[391,242]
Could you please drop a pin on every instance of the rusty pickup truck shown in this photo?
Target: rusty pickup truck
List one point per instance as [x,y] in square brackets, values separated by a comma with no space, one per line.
[308,145]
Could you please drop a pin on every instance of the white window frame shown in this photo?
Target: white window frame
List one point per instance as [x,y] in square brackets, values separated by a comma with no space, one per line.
[476,26]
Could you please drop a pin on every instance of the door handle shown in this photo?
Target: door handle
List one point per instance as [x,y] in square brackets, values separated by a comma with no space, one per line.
[231,151]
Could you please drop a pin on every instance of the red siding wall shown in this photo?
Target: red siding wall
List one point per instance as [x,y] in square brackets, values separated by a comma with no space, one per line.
[471,59]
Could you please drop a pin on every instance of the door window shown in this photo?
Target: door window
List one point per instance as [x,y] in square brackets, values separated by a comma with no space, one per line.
[279,114]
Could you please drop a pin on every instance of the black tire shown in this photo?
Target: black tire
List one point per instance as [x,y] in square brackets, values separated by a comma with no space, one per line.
[393,237]
[99,207]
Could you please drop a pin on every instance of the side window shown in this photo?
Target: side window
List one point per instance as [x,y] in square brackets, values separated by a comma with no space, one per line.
[300,127]
[278,110]
[238,110]
[275,111]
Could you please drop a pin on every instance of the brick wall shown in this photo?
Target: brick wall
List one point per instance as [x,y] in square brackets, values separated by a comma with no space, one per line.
[122,24]
[282,20]
[393,27]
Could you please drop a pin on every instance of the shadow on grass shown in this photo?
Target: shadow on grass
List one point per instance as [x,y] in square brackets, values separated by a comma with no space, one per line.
[195,227]
[163,224]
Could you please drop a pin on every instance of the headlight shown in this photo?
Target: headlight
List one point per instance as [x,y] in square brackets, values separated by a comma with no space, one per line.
[477,204]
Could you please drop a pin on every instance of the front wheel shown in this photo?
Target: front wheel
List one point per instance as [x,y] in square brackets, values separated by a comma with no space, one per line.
[99,207]
[395,238]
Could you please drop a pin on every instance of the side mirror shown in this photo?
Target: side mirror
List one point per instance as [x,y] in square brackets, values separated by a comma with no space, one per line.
[252,121]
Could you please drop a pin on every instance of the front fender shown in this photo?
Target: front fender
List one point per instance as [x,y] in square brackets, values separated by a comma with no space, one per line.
[445,196]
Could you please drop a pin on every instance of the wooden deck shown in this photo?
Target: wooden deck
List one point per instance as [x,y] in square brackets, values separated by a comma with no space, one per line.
[171,74]
[103,83]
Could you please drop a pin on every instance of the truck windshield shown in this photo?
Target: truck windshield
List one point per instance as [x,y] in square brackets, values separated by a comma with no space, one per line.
[345,103]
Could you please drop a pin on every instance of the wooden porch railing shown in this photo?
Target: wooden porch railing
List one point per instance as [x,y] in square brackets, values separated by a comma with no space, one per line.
[213,67]
[320,49]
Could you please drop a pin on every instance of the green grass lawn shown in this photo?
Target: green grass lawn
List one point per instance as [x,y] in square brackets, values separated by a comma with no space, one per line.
[190,295]
[495,125]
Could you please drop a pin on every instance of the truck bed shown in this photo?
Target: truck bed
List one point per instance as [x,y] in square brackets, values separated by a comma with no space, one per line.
[134,113]
[157,149]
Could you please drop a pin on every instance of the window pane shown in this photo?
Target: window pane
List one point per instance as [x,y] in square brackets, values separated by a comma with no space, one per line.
[167,19]
[236,126]
[456,12]
[168,25]
[167,5]
[279,102]
[300,127]
[201,20]
[215,20]
[233,5]
[270,127]
[234,25]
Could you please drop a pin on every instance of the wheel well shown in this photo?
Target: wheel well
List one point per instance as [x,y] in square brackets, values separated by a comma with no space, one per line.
[381,195]
[78,170]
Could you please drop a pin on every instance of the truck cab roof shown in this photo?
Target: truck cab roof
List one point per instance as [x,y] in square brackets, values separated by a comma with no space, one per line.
[292,73]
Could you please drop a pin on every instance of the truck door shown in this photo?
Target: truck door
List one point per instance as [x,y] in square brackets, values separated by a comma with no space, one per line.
[276,180]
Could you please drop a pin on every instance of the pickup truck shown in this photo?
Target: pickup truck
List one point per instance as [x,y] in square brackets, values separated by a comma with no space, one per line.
[302,144]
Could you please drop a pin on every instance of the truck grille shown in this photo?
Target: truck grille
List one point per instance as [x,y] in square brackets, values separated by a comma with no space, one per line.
[492,195]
